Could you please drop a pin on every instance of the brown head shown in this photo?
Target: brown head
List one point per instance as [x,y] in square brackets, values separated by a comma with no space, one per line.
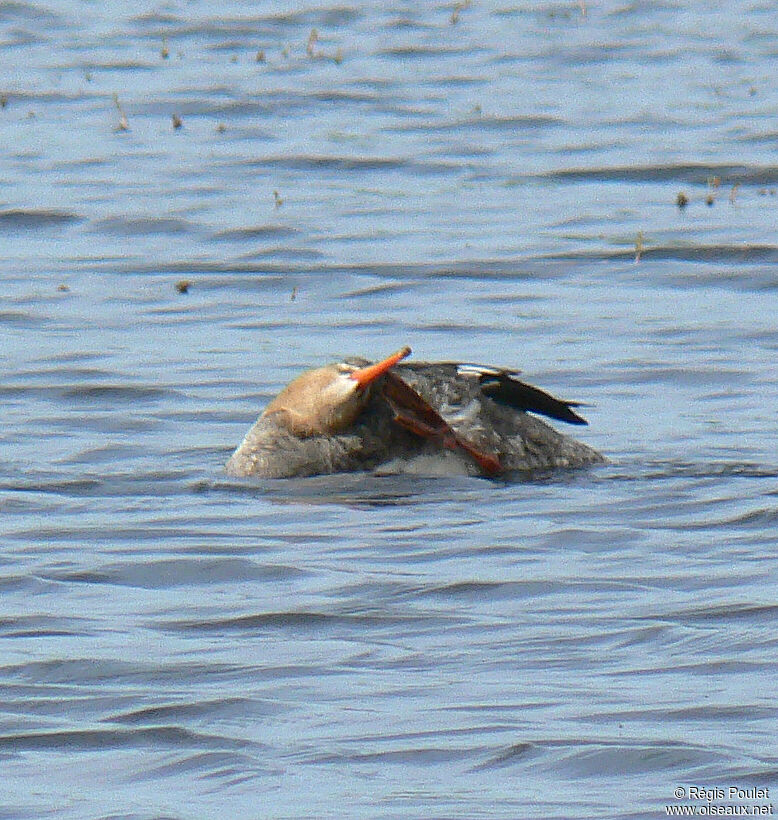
[328,400]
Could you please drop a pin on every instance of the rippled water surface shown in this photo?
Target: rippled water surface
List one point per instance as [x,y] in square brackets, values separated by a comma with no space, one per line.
[492,182]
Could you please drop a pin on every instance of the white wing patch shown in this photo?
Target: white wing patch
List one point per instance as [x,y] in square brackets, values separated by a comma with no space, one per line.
[479,370]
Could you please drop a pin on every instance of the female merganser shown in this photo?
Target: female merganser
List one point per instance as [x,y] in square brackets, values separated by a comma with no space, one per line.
[358,416]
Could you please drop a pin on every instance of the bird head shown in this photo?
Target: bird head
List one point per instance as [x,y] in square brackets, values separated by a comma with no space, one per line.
[328,400]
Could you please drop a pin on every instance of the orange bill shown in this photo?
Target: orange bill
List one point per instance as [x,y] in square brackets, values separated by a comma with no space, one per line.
[369,374]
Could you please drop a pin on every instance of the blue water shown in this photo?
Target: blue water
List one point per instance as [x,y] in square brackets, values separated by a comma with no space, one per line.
[501,188]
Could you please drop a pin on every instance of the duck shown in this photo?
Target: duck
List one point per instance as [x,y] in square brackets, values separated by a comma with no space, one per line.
[397,416]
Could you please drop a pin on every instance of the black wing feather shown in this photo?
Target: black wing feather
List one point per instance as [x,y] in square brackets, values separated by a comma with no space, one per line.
[505,389]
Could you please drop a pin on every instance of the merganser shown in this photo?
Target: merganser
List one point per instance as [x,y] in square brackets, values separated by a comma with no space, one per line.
[355,415]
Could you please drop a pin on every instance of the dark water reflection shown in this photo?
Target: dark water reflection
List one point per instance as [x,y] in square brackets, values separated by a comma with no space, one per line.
[491,184]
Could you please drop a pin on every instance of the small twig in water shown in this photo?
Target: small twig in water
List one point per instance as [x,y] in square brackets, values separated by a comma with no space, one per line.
[312,39]
[123,124]
[638,246]
[458,9]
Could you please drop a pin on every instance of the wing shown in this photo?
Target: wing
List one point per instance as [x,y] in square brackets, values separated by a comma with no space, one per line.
[503,387]
[415,414]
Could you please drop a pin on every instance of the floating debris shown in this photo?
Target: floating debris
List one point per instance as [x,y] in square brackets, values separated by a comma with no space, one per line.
[63,288]
[682,200]
[458,9]
[177,121]
[713,187]
[221,128]
[639,246]
[123,124]
[279,202]
[312,40]
[317,54]
[183,285]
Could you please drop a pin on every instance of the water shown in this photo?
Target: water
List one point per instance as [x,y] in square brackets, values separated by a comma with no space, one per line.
[179,644]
